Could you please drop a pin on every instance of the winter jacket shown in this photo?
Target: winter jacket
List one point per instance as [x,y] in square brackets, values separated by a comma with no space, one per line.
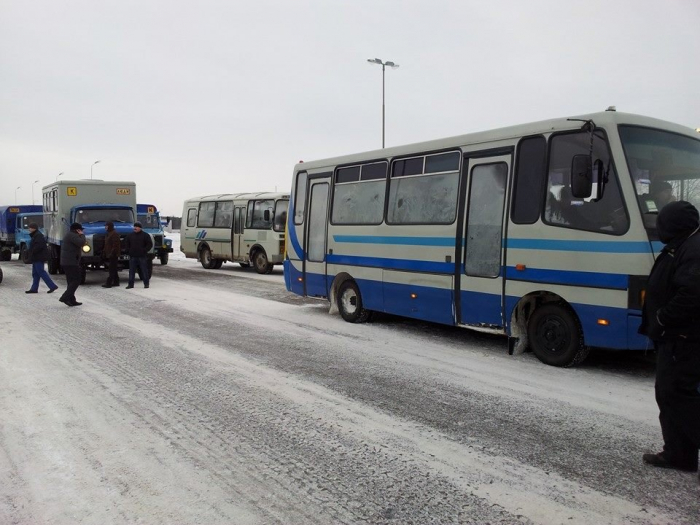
[38,249]
[138,244]
[72,249]
[671,309]
[113,244]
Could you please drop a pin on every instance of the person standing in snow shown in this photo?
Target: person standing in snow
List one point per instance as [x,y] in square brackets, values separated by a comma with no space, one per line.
[671,319]
[38,255]
[138,244]
[71,252]
[113,248]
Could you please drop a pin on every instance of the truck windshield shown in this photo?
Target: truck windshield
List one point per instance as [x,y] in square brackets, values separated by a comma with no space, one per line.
[38,219]
[281,207]
[664,166]
[150,222]
[91,215]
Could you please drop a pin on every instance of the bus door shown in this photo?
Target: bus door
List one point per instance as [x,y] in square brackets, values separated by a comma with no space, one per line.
[315,240]
[237,232]
[481,280]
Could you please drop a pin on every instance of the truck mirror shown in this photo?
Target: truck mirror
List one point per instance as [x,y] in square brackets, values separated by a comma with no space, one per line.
[581,176]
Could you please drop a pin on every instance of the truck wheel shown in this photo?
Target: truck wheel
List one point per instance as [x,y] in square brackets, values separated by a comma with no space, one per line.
[149,267]
[24,254]
[6,254]
[555,336]
[164,259]
[206,259]
[52,263]
[0,275]
[350,303]
[83,274]
[262,265]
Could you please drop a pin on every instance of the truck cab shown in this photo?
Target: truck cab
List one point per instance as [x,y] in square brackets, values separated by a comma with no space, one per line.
[8,227]
[22,237]
[149,217]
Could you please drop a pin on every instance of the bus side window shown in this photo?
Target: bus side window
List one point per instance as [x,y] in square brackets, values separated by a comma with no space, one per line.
[300,197]
[191,217]
[530,174]
[608,215]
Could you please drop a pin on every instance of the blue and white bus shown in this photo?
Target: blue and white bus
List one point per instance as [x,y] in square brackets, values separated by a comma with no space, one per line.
[544,232]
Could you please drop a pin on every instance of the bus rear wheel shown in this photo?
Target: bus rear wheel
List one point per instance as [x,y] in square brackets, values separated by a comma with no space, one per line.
[218,263]
[262,265]
[206,259]
[555,336]
[350,303]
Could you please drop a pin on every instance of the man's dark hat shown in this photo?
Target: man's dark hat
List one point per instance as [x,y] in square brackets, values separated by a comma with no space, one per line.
[137,224]
[76,226]
[677,220]
[34,226]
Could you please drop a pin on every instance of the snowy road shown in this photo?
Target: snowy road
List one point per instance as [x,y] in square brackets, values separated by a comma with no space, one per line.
[216,397]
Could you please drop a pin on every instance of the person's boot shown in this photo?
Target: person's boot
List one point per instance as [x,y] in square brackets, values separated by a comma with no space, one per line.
[659,460]
[106,285]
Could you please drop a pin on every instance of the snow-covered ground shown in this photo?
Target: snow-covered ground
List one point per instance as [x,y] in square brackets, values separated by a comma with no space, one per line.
[216,397]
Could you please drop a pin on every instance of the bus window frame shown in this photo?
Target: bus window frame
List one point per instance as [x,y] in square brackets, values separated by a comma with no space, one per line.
[360,181]
[296,198]
[545,188]
[424,155]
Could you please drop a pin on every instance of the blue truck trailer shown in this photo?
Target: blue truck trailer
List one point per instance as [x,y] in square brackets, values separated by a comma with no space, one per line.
[8,227]
[149,217]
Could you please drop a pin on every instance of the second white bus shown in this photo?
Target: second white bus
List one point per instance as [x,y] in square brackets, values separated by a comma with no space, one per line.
[247,228]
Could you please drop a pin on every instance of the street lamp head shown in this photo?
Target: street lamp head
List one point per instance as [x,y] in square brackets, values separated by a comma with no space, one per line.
[375,61]
[36,181]
[96,162]
[391,64]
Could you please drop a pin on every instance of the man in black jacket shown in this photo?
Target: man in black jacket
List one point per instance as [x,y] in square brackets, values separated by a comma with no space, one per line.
[38,255]
[671,319]
[71,252]
[138,244]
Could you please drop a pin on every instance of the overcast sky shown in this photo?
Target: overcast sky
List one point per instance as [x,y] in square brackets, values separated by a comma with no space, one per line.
[191,98]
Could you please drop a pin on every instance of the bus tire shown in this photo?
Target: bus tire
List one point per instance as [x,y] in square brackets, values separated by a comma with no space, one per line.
[24,254]
[350,303]
[164,259]
[262,265]
[218,263]
[206,259]
[555,336]
[6,254]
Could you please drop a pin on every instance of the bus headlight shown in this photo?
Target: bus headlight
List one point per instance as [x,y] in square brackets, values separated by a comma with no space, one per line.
[86,248]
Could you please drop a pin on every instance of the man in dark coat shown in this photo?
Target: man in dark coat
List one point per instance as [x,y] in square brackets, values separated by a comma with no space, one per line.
[111,252]
[71,252]
[38,255]
[138,244]
[671,319]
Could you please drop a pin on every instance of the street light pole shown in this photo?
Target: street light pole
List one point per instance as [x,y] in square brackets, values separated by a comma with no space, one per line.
[33,183]
[383,64]
[57,176]
[97,161]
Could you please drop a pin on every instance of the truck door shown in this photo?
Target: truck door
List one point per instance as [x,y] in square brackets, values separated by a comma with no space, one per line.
[480,289]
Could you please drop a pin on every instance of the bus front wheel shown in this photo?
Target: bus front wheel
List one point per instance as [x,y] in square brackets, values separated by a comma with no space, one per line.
[555,336]
[350,303]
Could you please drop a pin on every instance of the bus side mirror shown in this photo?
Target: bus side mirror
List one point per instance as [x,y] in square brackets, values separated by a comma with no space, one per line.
[266,216]
[581,176]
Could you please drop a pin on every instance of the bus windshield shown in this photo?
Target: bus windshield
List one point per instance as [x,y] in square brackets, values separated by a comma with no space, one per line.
[281,207]
[91,215]
[664,166]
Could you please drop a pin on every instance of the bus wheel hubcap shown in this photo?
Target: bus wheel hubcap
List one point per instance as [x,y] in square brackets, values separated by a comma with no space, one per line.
[349,301]
[553,334]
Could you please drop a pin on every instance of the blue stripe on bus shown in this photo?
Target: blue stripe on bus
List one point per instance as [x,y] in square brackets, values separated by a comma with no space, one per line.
[615,281]
[292,233]
[392,264]
[406,241]
[580,246]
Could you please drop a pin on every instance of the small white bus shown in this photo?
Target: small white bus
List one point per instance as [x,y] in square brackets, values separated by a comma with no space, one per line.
[544,232]
[247,228]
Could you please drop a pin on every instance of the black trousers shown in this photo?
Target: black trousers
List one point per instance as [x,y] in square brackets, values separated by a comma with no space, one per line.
[73,280]
[113,266]
[678,397]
